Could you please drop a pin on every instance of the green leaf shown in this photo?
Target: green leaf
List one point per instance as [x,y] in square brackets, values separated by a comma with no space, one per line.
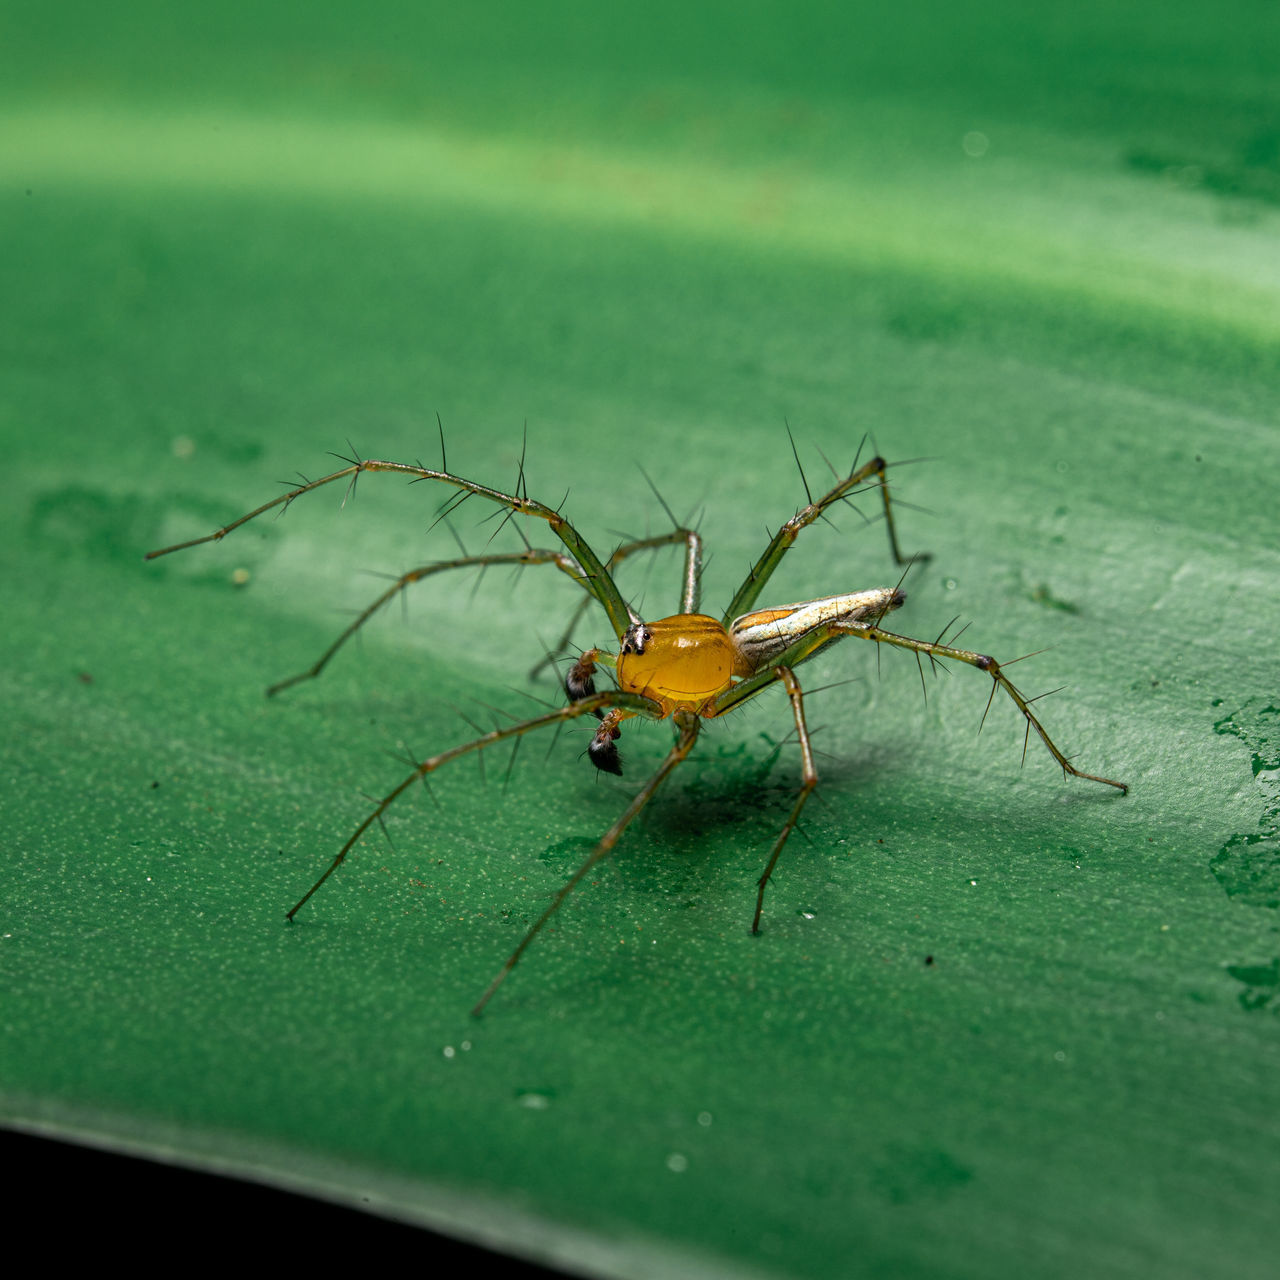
[996,1022]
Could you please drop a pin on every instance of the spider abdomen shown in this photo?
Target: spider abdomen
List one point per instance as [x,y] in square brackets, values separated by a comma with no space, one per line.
[764,637]
[686,662]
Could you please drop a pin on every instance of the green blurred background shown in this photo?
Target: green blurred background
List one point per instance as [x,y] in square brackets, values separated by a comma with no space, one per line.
[1038,248]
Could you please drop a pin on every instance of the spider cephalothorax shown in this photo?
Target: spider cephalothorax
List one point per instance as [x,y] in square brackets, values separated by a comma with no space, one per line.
[690,660]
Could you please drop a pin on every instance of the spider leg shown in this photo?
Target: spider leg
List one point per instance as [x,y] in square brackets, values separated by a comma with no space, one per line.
[591,573]
[530,556]
[689,593]
[933,650]
[630,702]
[780,544]
[691,584]
[808,782]
[747,689]
[863,620]
[688,726]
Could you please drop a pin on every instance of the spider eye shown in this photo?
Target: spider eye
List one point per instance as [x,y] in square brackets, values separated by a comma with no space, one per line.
[636,638]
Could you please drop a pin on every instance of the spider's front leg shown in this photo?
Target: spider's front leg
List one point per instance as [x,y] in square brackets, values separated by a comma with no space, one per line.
[587,569]
[687,725]
[623,703]
[529,556]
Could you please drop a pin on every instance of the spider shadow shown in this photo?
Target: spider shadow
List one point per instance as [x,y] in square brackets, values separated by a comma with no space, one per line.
[732,798]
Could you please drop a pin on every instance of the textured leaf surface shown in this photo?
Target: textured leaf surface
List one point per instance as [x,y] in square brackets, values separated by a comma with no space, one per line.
[995,1021]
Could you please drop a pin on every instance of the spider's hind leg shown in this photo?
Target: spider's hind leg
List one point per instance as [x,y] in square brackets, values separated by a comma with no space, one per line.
[869,476]
[808,782]
[934,651]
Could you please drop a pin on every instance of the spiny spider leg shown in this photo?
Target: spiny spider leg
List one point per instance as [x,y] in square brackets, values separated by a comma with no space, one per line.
[866,626]
[631,703]
[689,594]
[594,577]
[866,610]
[807,784]
[933,650]
[532,555]
[747,689]
[781,541]
[688,725]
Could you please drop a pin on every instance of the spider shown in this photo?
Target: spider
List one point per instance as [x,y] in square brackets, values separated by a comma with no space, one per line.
[687,668]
